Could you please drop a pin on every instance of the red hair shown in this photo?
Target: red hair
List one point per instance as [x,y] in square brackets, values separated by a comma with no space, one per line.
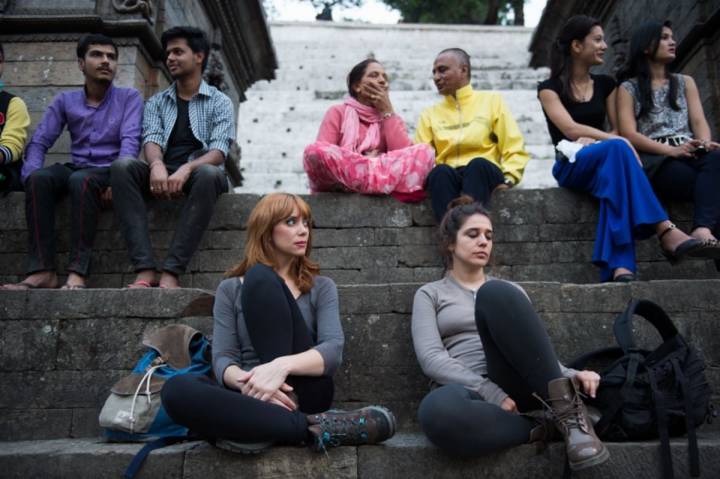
[259,248]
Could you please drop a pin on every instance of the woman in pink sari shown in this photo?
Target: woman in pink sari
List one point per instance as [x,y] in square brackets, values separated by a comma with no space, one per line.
[364,147]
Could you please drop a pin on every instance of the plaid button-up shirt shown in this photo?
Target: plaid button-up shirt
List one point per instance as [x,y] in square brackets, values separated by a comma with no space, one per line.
[211,119]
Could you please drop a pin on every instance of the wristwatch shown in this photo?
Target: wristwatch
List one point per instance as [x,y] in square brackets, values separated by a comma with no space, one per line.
[508,182]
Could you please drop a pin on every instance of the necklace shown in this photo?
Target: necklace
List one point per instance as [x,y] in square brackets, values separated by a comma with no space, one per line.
[585,94]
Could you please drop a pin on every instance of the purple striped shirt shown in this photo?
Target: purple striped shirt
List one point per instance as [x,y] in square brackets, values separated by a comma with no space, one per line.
[99,134]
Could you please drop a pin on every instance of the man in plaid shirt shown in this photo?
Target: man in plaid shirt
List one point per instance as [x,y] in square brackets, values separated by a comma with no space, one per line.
[187,132]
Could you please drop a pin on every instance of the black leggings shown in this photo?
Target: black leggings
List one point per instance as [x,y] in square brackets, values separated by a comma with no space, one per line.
[693,179]
[520,359]
[276,328]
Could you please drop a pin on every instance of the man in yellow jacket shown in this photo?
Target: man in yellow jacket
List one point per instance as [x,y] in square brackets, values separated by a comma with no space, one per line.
[478,145]
[14,123]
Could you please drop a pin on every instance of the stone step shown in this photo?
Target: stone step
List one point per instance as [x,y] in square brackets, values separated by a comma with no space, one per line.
[405,455]
[292,178]
[314,60]
[521,79]
[541,235]
[290,155]
[62,350]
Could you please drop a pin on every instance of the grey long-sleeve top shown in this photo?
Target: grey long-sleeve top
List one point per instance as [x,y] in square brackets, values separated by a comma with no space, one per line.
[447,342]
[231,341]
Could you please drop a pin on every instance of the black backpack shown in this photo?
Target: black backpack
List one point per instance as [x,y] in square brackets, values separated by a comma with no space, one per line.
[650,394]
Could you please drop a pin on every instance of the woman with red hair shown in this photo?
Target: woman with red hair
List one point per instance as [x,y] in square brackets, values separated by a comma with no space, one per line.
[277,341]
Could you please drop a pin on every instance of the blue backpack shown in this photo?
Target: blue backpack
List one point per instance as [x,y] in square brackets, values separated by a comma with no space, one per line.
[134,412]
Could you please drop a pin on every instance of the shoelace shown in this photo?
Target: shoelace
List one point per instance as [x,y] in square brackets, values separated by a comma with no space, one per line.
[571,416]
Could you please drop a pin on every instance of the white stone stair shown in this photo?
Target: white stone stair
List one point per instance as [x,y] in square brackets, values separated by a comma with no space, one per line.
[281,117]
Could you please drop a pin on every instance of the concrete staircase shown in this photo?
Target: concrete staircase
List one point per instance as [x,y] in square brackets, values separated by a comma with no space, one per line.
[281,117]
[60,351]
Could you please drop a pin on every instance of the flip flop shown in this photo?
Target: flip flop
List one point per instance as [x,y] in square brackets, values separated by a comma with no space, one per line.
[141,284]
[73,286]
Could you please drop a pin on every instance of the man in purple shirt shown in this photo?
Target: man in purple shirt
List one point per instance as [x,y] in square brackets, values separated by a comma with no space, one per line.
[105,123]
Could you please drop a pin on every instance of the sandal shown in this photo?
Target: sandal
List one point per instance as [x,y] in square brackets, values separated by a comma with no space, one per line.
[625,278]
[689,247]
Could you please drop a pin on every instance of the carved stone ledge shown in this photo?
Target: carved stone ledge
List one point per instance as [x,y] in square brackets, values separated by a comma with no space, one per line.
[134,6]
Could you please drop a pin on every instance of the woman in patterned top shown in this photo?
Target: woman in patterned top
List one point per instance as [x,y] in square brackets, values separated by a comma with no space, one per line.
[662,115]
[577,105]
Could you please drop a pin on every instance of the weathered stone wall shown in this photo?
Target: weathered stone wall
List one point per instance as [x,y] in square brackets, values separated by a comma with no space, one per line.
[62,350]
[696,25]
[542,235]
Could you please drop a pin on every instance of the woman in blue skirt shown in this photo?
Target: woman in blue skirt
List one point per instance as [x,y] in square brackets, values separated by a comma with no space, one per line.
[576,104]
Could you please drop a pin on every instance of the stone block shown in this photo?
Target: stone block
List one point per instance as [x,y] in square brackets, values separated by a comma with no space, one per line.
[353,257]
[56,389]
[335,210]
[423,255]
[206,461]
[330,237]
[378,339]
[28,345]
[215,260]
[85,422]
[105,303]
[29,424]
[86,458]
[405,236]
[410,455]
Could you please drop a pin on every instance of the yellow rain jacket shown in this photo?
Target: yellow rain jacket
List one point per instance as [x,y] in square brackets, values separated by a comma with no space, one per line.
[476,125]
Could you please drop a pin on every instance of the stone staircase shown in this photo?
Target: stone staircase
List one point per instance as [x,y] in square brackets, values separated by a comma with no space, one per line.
[281,117]
[60,351]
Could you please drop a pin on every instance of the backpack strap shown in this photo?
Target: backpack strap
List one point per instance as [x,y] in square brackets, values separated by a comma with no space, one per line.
[653,313]
[139,459]
[693,452]
[663,432]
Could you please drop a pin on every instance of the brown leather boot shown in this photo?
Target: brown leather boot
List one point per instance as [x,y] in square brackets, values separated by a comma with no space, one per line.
[584,449]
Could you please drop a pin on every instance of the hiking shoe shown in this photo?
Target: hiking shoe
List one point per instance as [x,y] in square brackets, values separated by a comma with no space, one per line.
[247,448]
[584,449]
[369,425]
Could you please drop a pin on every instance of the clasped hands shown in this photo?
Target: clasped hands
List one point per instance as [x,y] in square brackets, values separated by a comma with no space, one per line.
[265,382]
[164,186]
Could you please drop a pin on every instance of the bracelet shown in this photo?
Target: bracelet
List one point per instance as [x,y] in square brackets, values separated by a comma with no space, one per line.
[387,115]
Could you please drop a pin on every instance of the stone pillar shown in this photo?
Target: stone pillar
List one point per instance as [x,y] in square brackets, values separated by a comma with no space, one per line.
[40,37]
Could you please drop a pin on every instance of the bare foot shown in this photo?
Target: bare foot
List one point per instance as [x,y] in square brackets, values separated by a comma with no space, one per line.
[42,279]
[74,281]
[703,234]
[144,279]
[169,280]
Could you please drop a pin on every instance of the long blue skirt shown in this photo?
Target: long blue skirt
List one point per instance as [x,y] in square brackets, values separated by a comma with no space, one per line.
[629,208]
